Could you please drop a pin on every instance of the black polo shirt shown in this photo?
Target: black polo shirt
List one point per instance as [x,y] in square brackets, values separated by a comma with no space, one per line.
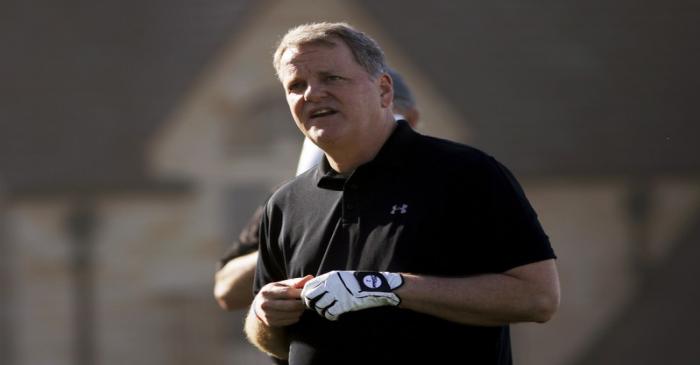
[424,206]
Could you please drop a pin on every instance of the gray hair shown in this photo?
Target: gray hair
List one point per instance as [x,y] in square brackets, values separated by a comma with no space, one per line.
[366,50]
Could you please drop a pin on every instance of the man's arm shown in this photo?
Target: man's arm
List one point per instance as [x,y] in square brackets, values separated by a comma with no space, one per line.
[276,306]
[528,293]
[233,287]
[270,340]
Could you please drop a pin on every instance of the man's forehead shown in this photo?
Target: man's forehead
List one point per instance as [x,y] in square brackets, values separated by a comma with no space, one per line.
[292,53]
[306,59]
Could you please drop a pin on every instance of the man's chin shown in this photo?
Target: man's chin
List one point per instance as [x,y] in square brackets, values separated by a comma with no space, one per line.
[322,137]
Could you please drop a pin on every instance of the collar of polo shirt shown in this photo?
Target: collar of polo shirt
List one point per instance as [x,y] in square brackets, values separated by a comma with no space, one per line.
[394,153]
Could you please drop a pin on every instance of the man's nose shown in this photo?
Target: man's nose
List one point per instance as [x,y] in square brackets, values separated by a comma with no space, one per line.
[314,92]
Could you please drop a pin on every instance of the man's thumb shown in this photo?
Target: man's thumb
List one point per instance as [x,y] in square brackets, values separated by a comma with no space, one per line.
[298,283]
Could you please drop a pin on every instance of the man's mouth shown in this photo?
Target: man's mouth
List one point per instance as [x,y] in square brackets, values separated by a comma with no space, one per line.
[323,112]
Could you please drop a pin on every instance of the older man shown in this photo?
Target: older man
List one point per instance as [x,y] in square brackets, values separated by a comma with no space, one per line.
[233,282]
[398,247]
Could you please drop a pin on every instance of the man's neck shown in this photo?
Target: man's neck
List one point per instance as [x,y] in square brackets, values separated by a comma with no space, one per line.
[363,151]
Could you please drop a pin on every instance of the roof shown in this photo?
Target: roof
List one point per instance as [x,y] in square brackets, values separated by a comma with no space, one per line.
[549,88]
[86,84]
[564,87]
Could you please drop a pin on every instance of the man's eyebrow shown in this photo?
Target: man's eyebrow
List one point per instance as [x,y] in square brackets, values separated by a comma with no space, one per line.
[327,73]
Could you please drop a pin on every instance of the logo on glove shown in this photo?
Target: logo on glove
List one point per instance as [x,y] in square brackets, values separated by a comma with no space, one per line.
[372,281]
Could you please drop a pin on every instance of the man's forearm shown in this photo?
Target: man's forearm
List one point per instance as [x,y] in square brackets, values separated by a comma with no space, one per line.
[233,287]
[526,294]
[271,340]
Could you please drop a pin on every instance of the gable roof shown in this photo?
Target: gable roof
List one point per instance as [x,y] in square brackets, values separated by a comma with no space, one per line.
[557,88]
[564,87]
[86,84]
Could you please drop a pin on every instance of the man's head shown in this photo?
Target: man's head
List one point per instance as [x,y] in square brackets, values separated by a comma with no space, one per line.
[404,103]
[365,50]
[336,86]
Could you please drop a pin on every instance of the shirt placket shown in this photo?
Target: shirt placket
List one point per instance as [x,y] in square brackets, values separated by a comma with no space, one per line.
[351,202]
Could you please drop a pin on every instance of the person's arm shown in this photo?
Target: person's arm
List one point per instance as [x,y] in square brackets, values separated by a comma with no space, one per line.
[528,293]
[233,283]
[276,306]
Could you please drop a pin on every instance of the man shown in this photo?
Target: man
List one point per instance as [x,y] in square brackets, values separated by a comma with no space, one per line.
[233,285]
[404,109]
[398,247]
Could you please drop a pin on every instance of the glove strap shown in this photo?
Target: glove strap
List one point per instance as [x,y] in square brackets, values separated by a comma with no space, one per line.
[372,281]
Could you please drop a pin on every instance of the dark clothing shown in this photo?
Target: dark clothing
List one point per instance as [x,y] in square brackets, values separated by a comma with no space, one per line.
[247,240]
[424,206]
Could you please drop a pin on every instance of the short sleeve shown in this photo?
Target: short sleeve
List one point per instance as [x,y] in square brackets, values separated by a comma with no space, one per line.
[270,266]
[512,231]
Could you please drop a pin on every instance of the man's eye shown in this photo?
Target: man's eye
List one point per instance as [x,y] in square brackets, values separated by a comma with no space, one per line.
[334,78]
[295,86]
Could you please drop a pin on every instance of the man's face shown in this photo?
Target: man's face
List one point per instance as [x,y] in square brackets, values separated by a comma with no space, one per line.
[333,100]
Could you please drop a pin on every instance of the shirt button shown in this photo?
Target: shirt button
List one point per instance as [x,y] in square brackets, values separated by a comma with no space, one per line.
[353,187]
[349,206]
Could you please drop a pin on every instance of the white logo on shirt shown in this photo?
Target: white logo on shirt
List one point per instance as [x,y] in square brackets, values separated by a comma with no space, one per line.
[403,209]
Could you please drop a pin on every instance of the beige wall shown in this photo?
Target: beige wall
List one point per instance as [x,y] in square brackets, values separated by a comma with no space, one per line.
[585,223]
[154,263]
[588,224]
[42,283]
[154,268]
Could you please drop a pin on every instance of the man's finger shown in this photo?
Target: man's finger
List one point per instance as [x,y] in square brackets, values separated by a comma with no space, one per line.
[280,291]
[323,301]
[296,282]
[275,318]
[310,299]
[290,305]
[300,284]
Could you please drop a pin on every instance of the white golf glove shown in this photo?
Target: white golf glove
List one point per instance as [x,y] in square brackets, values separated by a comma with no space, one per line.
[337,292]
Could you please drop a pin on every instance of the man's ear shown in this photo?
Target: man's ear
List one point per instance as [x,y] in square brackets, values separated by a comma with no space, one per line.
[386,89]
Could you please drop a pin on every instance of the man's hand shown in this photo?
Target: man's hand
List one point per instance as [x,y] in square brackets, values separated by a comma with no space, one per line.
[337,292]
[278,304]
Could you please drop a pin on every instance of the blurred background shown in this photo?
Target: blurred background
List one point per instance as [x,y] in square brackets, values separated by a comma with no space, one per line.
[136,138]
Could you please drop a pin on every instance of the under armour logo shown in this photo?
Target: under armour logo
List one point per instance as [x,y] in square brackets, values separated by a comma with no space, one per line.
[403,209]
